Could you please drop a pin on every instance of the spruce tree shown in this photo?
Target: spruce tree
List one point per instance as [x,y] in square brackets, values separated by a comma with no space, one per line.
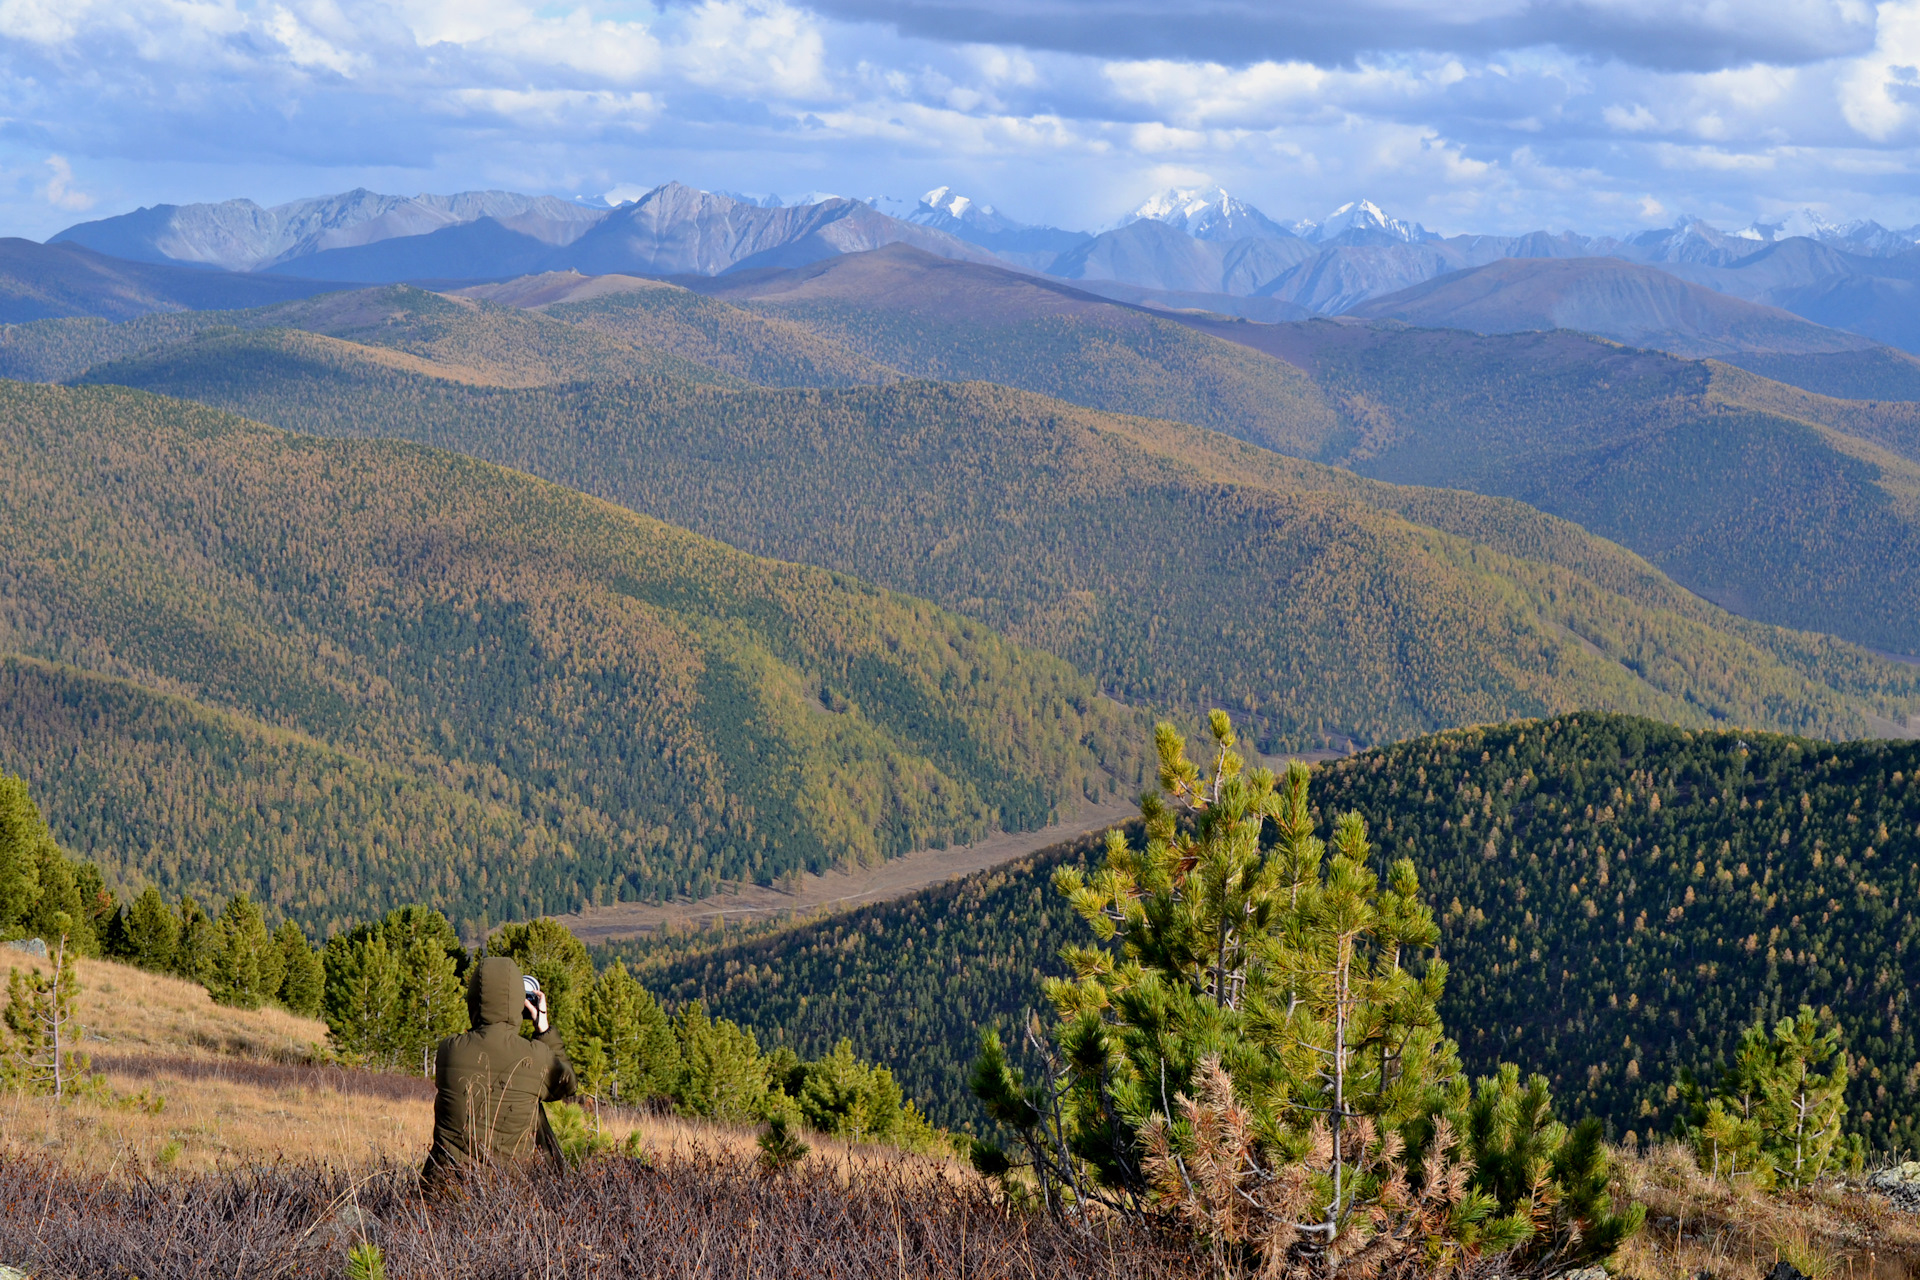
[196,952]
[149,933]
[247,969]
[559,960]
[305,980]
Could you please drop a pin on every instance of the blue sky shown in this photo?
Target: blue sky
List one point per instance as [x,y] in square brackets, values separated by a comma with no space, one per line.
[1483,115]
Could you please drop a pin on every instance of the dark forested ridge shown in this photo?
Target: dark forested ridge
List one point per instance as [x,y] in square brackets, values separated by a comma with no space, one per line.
[1617,899]
[444,681]
[1132,548]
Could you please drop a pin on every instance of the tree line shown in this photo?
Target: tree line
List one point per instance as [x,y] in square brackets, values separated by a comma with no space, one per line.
[390,989]
[1786,873]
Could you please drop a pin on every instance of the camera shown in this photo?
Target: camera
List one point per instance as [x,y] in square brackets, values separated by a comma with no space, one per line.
[532,985]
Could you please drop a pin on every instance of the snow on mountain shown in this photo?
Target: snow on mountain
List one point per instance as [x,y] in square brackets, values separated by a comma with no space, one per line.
[1364,216]
[1206,213]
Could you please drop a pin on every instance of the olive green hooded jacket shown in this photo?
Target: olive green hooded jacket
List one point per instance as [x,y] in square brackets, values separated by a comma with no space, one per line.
[490,1081]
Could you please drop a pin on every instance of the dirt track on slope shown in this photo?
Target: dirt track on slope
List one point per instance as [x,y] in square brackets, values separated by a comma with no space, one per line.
[840,889]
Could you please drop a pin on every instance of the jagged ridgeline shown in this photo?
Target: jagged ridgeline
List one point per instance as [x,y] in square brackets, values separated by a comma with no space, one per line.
[1177,566]
[1618,898]
[345,674]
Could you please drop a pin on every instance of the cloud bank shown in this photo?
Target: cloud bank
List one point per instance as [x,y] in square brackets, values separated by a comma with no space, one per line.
[1495,115]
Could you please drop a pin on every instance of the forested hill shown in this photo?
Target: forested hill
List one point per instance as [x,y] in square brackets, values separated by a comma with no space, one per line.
[1783,507]
[1177,566]
[1617,898]
[346,674]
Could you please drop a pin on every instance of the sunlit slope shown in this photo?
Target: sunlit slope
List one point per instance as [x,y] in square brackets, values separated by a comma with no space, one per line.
[1178,566]
[1730,491]
[1617,899]
[654,711]
[934,318]
[761,349]
[469,339]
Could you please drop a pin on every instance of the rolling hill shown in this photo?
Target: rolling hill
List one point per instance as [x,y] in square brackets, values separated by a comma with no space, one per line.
[1617,899]
[44,281]
[1809,522]
[933,318]
[1879,373]
[469,339]
[1637,305]
[349,672]
[1177,566]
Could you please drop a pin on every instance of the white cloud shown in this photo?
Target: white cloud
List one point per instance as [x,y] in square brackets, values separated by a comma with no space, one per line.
[198,99]
[59,190]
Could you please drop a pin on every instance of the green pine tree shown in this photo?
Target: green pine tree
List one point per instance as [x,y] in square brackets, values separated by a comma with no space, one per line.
[39,1053]
[722,1075]
[305,980]
[623,1045]
[361,993]
[1264,1014]
[1776,1116]
[197,948]
[247,969]
[148,933]
[559,960]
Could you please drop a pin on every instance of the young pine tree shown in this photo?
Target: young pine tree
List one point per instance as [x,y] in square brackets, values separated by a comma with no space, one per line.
[197,945]
[1777,1114]
[1257,1044]
[722,1075]
[39,1054]
[247,968]
[362,991]
[624,1047]
[559,960]
[148,933]
[305,978]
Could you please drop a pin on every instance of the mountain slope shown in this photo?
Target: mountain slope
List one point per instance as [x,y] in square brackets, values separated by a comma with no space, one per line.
[761,349]
[1617,899]
[239,235]
[1178,566]
[645,711]
[933,318]
[470,339]
[1878,373]
[1640,306]
[39,282]
[1779,518]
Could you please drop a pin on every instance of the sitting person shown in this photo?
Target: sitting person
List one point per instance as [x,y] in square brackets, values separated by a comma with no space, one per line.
[490,1082]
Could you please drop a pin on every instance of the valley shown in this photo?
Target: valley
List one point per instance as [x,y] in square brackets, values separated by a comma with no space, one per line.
[748,634]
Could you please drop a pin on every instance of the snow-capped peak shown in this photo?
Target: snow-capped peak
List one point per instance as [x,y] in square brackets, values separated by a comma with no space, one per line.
[1179,206]
[1803,222]
[945,200]
[1205,213]
[1364,215]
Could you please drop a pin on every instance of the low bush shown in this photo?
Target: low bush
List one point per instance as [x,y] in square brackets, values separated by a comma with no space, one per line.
[709,1215]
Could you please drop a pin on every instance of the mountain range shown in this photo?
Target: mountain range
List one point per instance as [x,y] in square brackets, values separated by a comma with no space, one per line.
[1181,249]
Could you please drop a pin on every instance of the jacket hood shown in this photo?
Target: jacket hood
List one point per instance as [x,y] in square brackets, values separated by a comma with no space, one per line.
[495,992]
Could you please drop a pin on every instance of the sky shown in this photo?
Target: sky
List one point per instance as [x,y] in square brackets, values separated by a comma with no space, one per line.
[1603,116]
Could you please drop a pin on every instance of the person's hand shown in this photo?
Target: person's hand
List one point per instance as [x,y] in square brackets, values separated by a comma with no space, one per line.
[537,1011]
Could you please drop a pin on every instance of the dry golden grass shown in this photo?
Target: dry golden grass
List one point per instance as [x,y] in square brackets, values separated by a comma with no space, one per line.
[126,1011]
[1696,1224]
[242,1087]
